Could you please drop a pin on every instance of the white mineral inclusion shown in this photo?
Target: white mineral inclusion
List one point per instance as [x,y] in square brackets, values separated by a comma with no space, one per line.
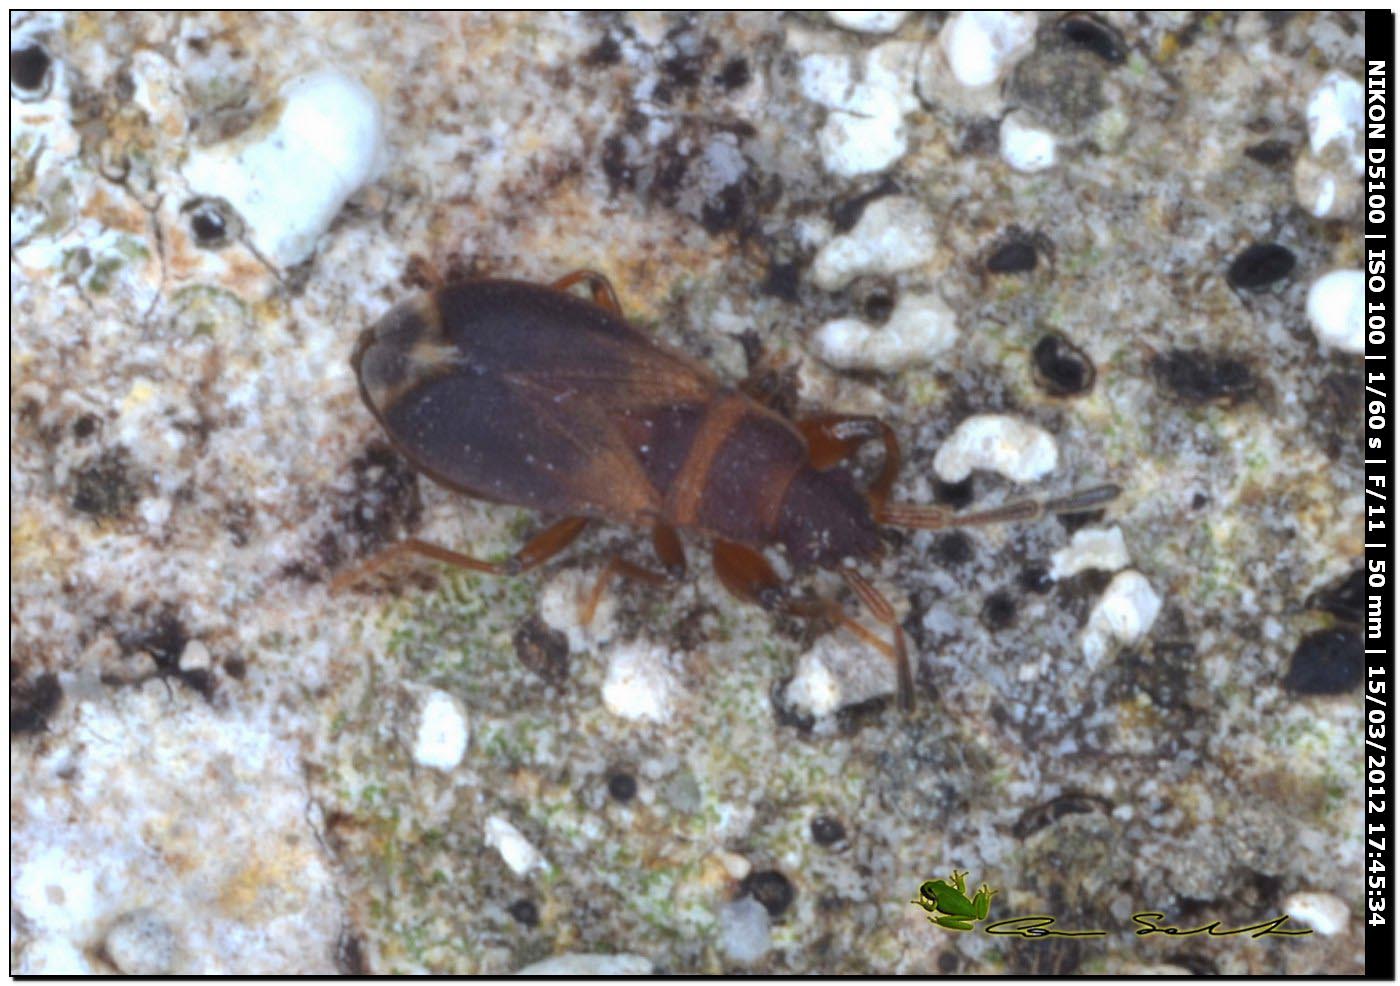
[514,848]
[442,732]
[289,174]
[1090,548]
[1337,310]
[1000,443]
[744,930]
[981,45]
[1124,614]
[1336,111]
[864,132]
[835,673]
[589,964]
[868,21]
[894,234]
[1327,914]
[919,329]
[1024,147]
[639,683]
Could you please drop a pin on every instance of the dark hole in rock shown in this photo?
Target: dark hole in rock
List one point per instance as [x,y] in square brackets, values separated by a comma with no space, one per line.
[29,67]
[1326,662]
[1061,368]
[1261,264]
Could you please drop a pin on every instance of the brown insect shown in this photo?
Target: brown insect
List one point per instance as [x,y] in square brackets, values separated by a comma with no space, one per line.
[531,395]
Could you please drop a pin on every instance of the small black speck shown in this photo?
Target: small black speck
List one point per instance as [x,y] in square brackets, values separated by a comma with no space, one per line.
[1035,578]
[1075,522]
[1196,377]
[1199,501]
[877,305]
[235,667]
[999,610]
[956,495]
[1270,152]
[32,703]
[200,679]
[103,488]
[525,911]
[827,830]
[29,66]
[734,74]
[1261,264]
[84,426]
[1326,662]
[622,786]
[782,281]
[1345,600]
[1061,368]
[605,52]
[208,223]
[1016,257]
[847,212]
[771,889]
[1088,32]
[954,548]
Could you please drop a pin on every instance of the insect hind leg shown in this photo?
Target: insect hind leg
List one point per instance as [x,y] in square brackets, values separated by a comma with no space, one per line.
[539,549]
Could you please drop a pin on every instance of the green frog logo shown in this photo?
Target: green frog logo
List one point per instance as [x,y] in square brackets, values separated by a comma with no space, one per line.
[948,905]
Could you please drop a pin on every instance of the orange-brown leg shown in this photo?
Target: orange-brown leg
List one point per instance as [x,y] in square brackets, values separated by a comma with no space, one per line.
[668,549]
[543,546]
[930,518]
[747,574]
[833,438]
[599,286]
[881,609]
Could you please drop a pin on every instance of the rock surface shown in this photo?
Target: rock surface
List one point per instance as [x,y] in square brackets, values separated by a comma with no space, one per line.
[220,767]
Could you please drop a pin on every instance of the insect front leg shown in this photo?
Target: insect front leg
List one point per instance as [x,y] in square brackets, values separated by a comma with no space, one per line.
[539,549]
[834,438]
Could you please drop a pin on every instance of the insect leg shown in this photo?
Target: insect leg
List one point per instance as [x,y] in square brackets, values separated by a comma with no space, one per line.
[833,438]
[932,518]
[881,609]
[616,566]
[601,288]
[669,550]
[539,549]
[747,574]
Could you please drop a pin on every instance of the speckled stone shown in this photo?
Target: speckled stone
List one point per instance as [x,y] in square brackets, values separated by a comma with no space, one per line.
[202,731]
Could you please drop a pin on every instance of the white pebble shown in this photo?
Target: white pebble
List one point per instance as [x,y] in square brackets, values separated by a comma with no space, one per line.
[1327,914]
[640,684]
[1124,614]
[1090,548]
[838,671]
[589,964]
[1336,113]
[918,330]
[894,234]
[982,45]
[141,943]
[514,848]
[288,176]
[865,140]
[744,930]
[1025,147]
[1337,309]
[442,732]
[868,21]
[864,132]
[195,657]
[1000,443]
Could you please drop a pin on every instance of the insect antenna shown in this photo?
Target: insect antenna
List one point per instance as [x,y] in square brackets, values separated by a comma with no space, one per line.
[929,518]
